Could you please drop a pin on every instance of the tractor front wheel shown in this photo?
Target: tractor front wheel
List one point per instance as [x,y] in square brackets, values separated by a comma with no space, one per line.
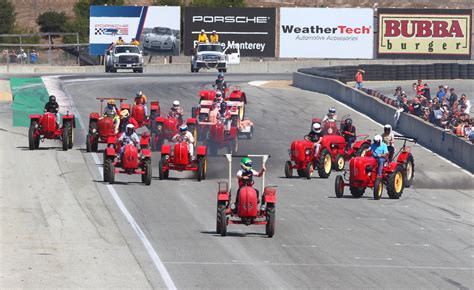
[70,135]
[106,170]
[33,143]
[201,172]
[221,222]
[340,162]
[378,188]
[395,184]
[146,177]
[324,163]
[309,170]
[65,137]
[88,143]
[339,186]
[288,170]
[409,171]
[111,172]
[270,226]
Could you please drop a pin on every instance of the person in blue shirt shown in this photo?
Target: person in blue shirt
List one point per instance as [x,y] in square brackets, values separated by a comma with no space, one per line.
[442,92]
[379,152]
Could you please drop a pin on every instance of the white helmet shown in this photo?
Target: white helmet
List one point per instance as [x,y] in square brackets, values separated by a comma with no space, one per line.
[175,103]
[130,127]
[139,93]
[332,110]
[377,138]
[218,94]
[388,126]
[316,127]
[203,31]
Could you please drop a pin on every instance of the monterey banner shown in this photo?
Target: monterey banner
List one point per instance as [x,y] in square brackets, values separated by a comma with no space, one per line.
[156,27]
[326,32]
[428,33]
[252,29]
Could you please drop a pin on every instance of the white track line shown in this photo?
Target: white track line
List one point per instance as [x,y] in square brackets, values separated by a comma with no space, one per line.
[141,235]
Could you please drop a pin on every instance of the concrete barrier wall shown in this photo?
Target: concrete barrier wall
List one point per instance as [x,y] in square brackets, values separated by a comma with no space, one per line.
[444,143]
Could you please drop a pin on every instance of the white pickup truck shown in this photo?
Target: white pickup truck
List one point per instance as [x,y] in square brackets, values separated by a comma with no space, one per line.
[212,55]
[124,56]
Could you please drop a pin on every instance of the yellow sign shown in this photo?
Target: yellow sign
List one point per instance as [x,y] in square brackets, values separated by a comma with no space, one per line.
[441,33]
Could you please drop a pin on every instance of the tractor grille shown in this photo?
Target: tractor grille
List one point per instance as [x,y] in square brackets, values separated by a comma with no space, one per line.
[128,59]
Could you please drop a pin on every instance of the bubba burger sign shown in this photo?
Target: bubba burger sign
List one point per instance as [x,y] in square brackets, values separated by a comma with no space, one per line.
[425,32]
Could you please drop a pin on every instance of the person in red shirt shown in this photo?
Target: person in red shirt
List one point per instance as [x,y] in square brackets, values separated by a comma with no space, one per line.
[419,87]
[359,78]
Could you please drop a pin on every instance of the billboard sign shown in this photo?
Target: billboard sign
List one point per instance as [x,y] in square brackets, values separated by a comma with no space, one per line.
[326,32]
[433,33]
[252,29]
[156,27]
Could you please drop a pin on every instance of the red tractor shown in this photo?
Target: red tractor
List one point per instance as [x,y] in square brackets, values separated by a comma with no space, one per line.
[337,144]
[45,127]
[218,138]
[236,98]
[249,211]
[396,174]
[134,160]
[138,113]
[166,128]
[181,160]
[100,128]
[305,163]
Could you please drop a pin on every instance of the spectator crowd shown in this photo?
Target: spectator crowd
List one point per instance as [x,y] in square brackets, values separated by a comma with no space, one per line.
[10,56]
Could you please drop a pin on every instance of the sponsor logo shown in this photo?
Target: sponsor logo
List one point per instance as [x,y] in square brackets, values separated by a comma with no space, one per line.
[231,19]
[342,29]
[423,28]
[111,29]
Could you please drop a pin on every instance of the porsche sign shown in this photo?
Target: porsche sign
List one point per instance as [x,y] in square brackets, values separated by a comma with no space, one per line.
[424,33]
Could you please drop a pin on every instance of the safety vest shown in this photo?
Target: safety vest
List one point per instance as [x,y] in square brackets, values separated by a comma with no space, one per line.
[202,38]
[214,38]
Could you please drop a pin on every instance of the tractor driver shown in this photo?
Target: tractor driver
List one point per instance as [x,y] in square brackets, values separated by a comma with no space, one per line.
[221,84]
[331,115]
[185,136]
[140,99]
[112,115]
[110,107]
[128,138]
[53,107]
[225,117]
[349,133]
[246,172]
[126,119]
[389,139]
[316,137]
[379,152]
[176,111]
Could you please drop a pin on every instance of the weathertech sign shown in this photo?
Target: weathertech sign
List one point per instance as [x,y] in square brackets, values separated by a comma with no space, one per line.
[326,33]
[252,29]
[420,32]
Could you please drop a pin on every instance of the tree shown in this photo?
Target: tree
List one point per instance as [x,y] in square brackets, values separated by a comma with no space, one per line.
[167,2]
[7,16]
[52,21]
[218,3]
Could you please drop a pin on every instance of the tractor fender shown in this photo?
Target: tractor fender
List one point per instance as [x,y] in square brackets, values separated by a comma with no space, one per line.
[155,106]
[146,152]
[201,150]
[160,119]
[35,117]
[165,149]
[390,167]
[111,139]
[145,139]
[110,152]
[223,196]
[358,144]
[191,121]
[270,194]
[67,118]
[403,156]
[94,116]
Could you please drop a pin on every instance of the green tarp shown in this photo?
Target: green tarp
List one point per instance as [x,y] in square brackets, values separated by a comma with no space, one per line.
[29,97]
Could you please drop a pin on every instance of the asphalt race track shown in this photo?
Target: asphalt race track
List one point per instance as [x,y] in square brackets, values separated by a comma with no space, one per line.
[423,240]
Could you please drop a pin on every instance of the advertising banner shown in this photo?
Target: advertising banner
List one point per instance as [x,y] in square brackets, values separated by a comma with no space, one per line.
[156,27]
[252,29]
[326,32]
[431,33]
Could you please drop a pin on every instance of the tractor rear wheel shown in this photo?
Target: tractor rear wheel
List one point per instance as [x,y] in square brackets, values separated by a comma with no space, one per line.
[106,170]
[88,143]
[378,188]
[340,162]
[221,222]
[65,137]
[161,175]
[409,171]
[339,186]
[362,150]
[270,226]
[309,170]
[201,172]
[70,135]
[32,141]
[111,172]
[357,192]
[395,184]
[288,170]
[146,177]
[324,163]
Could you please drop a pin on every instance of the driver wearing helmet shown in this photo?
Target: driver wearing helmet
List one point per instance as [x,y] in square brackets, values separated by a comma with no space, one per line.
[389,138]
[246,172]
[176,111]
[218,99]
[220,83]
[348,132]
[110,107]
[140,99]
[129,137]
[316,137]
[53,107]
[126,119]
[185,136]
[379,152]
[225,117]
[331,115]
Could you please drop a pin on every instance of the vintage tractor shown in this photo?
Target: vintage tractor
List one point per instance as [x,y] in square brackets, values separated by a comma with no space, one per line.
[101,128]
[138,113]
[396,175]
[250,209]
[45,127]
[166,128]
[218,138]
[134,160]
[181,160]
[305,162]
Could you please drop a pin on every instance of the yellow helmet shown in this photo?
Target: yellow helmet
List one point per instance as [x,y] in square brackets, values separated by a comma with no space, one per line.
[124,113]
[111,102]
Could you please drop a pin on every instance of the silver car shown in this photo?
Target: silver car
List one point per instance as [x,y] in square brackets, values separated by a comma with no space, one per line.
[160,38]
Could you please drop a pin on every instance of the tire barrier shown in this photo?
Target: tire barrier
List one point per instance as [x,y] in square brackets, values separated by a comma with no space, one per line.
[380,109]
